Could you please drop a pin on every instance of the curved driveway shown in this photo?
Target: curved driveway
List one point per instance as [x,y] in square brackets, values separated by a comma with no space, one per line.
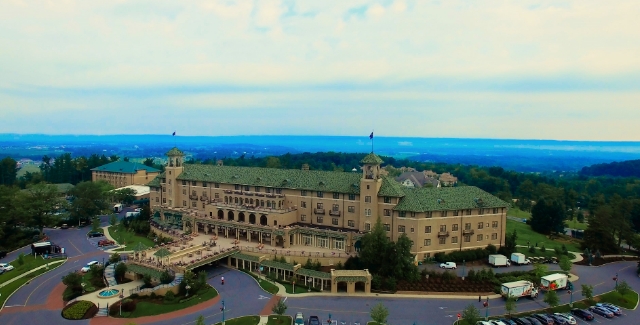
[32,304]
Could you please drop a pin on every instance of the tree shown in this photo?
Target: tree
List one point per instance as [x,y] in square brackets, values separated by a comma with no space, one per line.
[148,162]
[113,219]
[587,292]
[273,162]
[200,320]
[540,270]
[551,298]
[279,308]
[510,243]
[147,280]
[374,245]
[95,224]
[548,217]
[510,305]
[166,277]
[120,271]
[124,195]
[623,288]
[600,232]
[89,199]
[379,313]
[114,258]
[471,314]
[8,171]
[38,205]
[565,263]
[72,280]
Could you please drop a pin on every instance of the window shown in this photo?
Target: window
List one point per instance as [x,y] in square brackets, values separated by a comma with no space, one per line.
[400,228]
[367,187]
[444,213]
[307,239]
[427,242]
[335,207]
[237,187]
[336,195]
[319,219]
[339,244]
[334,221]
[428,214]
[184,203]
[351,223]
[495,210]
[268,190]
[157,199]
[454,239]
[367,226]
[367,199]
[184,182]
[256,188]
[194,183]
[164,200]
[467,226]
[351,209]
[468,212]
[322,242]
[303,217]
[319,194]
[479,237]
[247,188]
[204,193]
[413,214]
[494,224]
[480,211]
[413,229]
[454,227]
[467,238]
[367,212]
[352,197]
[193,193]
[319,205]
[427,229]
[443,228]
[216,185]
[480,225]
[164,189]
[403,214]
[184,191]
[455,213]
[216,195]
[442,240]
[387,199]
[303,204]
[387,212]
[303,193]
[494,236]
[204,184]
[193,204]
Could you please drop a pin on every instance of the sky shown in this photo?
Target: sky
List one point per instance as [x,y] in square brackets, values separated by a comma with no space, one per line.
[567,70]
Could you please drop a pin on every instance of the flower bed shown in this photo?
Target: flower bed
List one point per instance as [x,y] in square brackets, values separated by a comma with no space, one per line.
[605,260]
[80,310]
[444,285]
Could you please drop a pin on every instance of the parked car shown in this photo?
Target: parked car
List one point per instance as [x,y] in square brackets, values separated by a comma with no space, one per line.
[313,320]
[481,322]
[604,312]
[534,321]
[558,320]
[87,267]
[137,210]
[522,321]
[570,320]
[106,242]
[95,234]
[508,321]
[6,267]
[582,313]
[497,322]
[448,265]
[299,319]
[613,308]
[64,226]
[544,319]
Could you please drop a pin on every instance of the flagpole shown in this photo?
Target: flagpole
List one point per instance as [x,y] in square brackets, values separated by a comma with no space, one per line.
[372,140]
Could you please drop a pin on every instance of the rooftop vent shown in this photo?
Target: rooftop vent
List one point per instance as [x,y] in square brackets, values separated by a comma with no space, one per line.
[321,183]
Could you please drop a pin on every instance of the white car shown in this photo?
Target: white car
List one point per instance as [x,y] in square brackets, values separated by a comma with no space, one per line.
[87,267]
[570,320]
[137,210]
[6,267]
[497,322]
[448,265]
[481,322]
[299,319]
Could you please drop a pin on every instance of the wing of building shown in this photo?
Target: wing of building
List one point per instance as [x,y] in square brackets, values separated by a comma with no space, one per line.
[124,173]
[288,207]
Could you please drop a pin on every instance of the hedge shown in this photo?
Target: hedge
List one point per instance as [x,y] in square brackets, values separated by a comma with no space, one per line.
[77,310]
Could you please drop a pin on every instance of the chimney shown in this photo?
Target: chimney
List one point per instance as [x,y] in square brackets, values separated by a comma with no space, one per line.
[305,166]
[219,162]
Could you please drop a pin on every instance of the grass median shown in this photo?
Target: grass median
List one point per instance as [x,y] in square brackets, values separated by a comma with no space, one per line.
[10,288]
[29,263]
[279,320]
[244,320]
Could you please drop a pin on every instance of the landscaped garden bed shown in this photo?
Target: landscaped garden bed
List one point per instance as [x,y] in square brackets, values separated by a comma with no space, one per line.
[605,260]
[446,285]
[140,306]
[80,310]
[244,320]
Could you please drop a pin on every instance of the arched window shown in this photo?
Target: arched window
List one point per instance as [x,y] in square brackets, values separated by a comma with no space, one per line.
[268,204]
[241,201]
[235,200]
[262,203]
[226,199]
[273,204]
[251,201]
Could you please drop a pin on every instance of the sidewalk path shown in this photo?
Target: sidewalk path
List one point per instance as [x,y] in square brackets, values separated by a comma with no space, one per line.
[31,271]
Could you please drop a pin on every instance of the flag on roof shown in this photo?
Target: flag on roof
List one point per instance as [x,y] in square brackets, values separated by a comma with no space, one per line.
[371,136]
[174,133]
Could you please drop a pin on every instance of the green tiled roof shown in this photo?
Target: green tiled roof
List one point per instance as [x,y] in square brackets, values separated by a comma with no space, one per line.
[371,159]
[124,167]
[313,273]
[246,257]
[390,187]
[156,181]
[278,265]
[447,198]
[175,152]
[312,180]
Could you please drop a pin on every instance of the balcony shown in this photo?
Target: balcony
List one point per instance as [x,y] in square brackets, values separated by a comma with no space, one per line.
[468,232]
[251,208]
[248,194]
[443,234]
[318,211]
[335,213]
[193,197]
[237,192]
[204,198]
[228,191]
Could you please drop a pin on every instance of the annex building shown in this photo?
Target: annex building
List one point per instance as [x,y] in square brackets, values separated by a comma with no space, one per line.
[124,173]
[333,210]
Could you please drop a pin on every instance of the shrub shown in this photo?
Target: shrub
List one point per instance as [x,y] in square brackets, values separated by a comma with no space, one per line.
[448,276]
[558,251]
[77,310]
[390,284]
[153,295]
[169,297]
[532,250]
[424,273]
[543,249]
[166,277]
[491,249]
[128,305]
[471,275]
[21,259]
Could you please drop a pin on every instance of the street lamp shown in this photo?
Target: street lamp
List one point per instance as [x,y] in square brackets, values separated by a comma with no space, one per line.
[571,298]
[222,308]
[187,287]
[463,265]
[309,286]
[616,279]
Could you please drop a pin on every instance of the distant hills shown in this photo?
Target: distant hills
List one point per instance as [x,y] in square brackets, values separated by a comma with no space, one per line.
[628,168]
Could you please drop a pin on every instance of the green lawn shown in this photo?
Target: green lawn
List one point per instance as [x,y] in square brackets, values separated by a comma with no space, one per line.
[515,212]
[144,308]
[27,168]
[299,289]
[122,236]
[264,284]
[550,252]
[279,320]
[526,234]
[244,320]
[574,224]
[628,301]
[7,290]
[30,263]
